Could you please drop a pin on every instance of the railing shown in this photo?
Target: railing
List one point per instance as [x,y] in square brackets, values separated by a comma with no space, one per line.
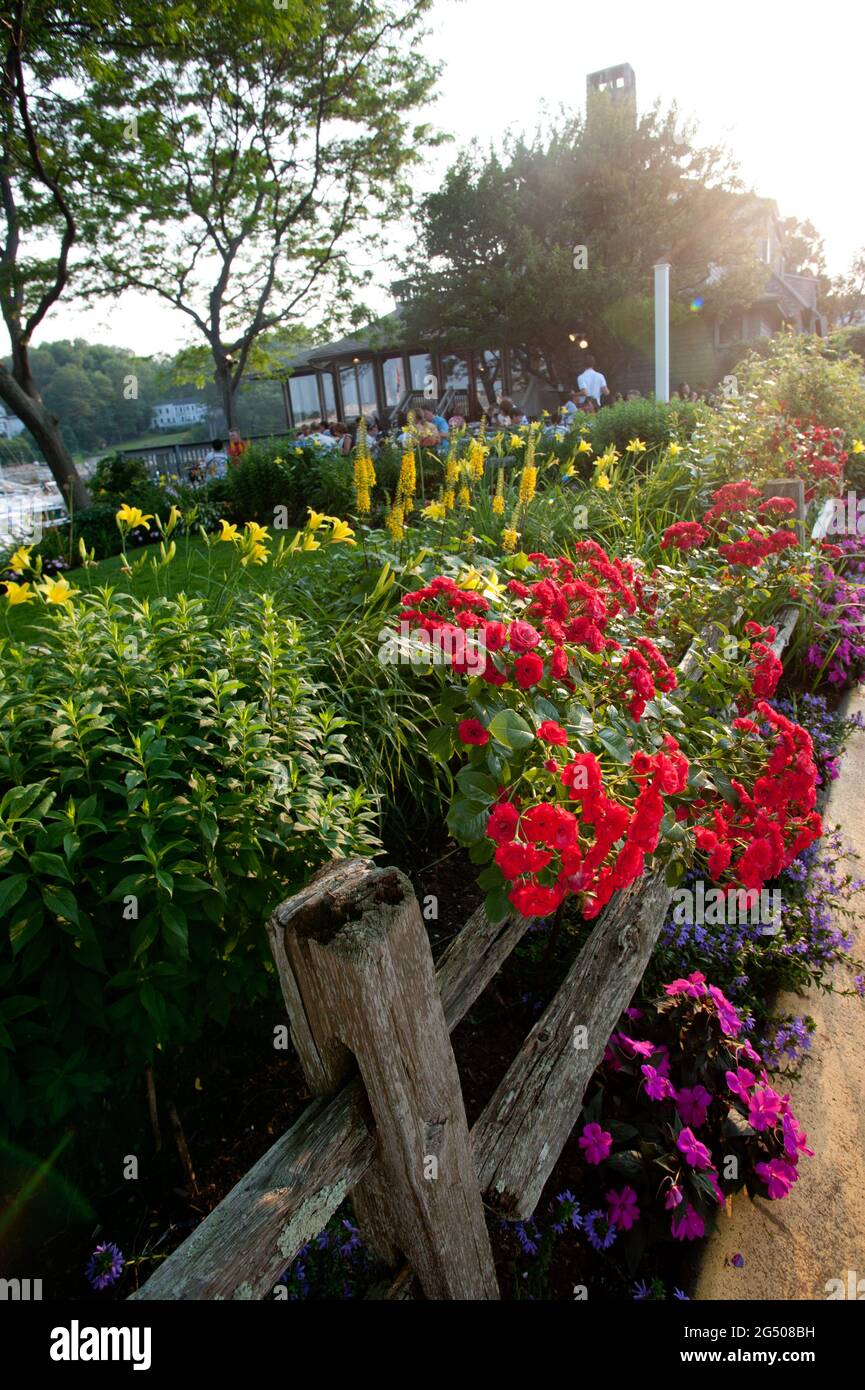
[370,1018]
[180,456]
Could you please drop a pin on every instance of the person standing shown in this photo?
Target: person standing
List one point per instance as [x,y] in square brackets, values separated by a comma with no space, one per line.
[215,462]
[594,383]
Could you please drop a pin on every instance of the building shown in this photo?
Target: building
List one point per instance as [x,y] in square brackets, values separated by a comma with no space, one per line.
[177,414]
[374,373]
[10,425]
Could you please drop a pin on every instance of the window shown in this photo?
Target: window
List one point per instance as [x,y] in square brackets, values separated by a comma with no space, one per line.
[328,392]
[393,372]
[488,377]
[366,388]
[350,394]
[421,367]
[519,372]
[303,391]
[455,372]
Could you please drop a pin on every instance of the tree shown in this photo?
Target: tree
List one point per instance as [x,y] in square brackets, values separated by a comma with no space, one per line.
[555,237]
[66,71]
[846,300]
[255,173]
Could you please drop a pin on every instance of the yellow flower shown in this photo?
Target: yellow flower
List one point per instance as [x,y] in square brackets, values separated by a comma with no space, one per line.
[316,519]
[57,590]
[229,531]
[310,543]
[340,531]
[635,446]
[498,505]
[407,485]
[509,540]
[499,499]
[19,593]
[584,447]
[673,449]
[255,531]
[434,511]
[516,442]
[464,498]
[395,521]
[857,447]
[298,449]
[476,455]
[131,516]
[173,517]
[528,483]
[449,499]
[602,481]
[21,559]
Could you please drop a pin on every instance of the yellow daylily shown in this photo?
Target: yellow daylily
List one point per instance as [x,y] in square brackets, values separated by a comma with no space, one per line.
[584,447]
[673,449]
[57,590]
[316,519]
[229,531]
[603,482]
[132,516]
[19,593]
[255,531]
[340,532]
[173,518]
[298,449]
[434,511]
[309,542]
[635,446]
[21,559]
[516,442]
[857,447]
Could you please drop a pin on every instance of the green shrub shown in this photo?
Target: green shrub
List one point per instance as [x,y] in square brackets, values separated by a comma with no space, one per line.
[652,421]
[120,476]
[276,473]
[165,778]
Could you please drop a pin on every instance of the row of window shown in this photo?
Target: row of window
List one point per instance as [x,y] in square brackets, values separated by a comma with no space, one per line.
[417,371]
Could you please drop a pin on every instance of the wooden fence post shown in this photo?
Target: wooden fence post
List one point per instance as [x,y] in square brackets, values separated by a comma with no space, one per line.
[357,976]
[795,489]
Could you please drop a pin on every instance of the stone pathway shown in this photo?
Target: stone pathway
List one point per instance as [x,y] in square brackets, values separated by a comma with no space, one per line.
[793,1248]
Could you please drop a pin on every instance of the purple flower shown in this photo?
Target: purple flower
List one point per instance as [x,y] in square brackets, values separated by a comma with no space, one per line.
[764,1107]
[778,1176]
[105,1266]
[657,1086]
[600,1230]
[688,1224]
[738,1261]
[597,1143]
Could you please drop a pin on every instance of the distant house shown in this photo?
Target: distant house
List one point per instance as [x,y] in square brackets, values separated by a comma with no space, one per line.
[174,414]
[10,425]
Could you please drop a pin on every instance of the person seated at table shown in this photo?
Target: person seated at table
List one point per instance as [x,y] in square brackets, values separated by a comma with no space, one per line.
[503,411]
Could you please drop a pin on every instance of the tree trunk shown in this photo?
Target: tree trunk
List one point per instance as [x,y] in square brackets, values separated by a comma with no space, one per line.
[45,428]
[226,387]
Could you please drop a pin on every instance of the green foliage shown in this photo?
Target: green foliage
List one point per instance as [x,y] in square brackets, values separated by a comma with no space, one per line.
[655,423]
[277,474]
[165,778]
[802,378]
[120,476]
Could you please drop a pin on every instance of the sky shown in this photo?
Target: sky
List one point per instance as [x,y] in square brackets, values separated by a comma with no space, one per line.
[779,84]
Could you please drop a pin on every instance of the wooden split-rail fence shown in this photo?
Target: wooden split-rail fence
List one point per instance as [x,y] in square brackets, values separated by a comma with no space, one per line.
[370,1017]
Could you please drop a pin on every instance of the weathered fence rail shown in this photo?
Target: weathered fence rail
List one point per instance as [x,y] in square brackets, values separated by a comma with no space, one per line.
[370,1016]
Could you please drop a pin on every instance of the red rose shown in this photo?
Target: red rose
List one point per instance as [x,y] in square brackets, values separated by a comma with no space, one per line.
[495,635]
[472,731]
[528,670]
[551,732]
[523,637]
[502,824]
[559,663]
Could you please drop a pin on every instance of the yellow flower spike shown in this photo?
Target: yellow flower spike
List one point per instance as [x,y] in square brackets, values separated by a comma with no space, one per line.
[21,559]
[229,531]
[19,593]
[476,456]
[57,590]
[464,497]
[132,516]
[340,532]
[434,511]
[509,540]
[316,519]
[449,500]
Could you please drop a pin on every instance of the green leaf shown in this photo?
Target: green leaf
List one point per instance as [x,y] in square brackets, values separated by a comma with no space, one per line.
[510,729]
[12,889]
[496,905]
[50,864]
[615,744]
[440,743]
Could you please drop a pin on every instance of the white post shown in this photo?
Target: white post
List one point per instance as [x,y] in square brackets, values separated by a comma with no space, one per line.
[662,331]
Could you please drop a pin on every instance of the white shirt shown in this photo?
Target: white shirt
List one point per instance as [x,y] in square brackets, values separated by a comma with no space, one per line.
[592,383]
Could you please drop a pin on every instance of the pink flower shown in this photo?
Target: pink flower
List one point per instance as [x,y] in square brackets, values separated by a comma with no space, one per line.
[795,1139]
[764,1107]
[657,1086]
[692,1102]
[687,1225]
[639,1049]
[694,986]
[624,1211]
[740,1082]
[597,1143]
[778,1176]
[696,1155]
[674,1198]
